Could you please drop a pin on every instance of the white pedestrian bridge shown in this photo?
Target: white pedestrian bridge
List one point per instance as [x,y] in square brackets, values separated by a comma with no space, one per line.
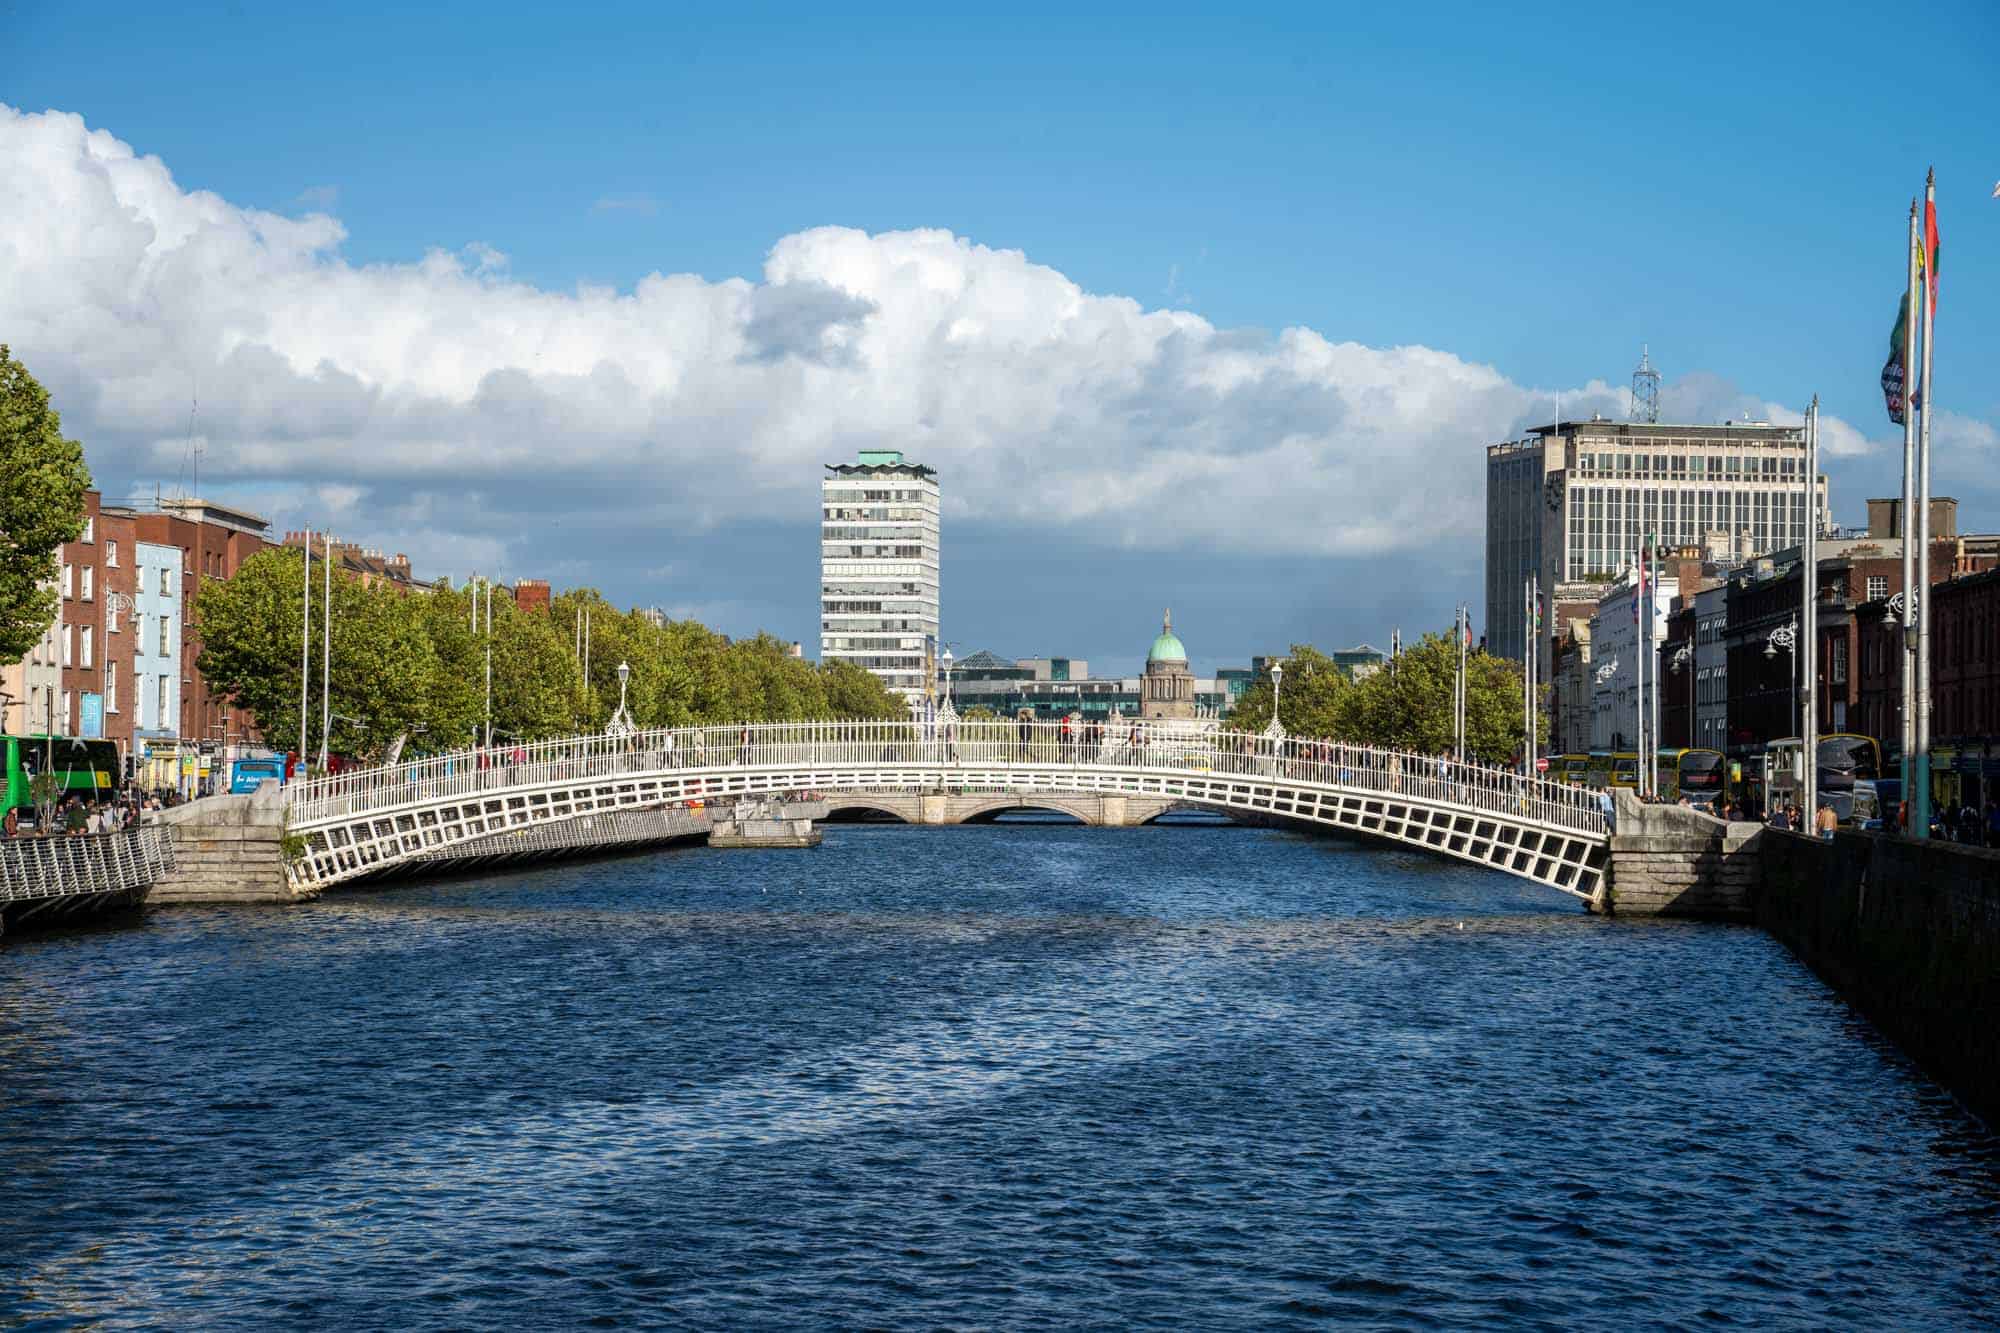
[362,822]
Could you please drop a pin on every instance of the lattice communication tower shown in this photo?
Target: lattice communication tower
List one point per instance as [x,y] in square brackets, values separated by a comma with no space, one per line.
[1645,388]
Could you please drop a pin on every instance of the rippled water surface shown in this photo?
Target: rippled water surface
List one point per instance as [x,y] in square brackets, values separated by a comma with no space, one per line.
[1013,1076]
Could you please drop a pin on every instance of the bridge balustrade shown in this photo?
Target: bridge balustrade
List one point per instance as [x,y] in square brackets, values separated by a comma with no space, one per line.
[63,867]
[977,743]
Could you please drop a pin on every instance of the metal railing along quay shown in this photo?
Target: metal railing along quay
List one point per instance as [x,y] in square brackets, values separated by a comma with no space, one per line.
[984,745]
[85,864]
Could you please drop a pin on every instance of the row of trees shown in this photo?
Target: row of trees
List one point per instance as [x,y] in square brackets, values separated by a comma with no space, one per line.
[1407,708]
[415,665]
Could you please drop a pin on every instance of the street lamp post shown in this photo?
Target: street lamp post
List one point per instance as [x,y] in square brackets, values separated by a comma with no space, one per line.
[1786,636]
[1683,661]
[621,721]
[1276,731]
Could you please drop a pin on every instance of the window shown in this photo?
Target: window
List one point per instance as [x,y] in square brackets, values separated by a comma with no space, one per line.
[69,581]
[139,634]
[1878,587]
[161,714]
[140,575]
[111,554]
[69,647]
[90,529]
[110,686]
[68,721]
[111,615]
[87,638]
[166,636]
[89,578]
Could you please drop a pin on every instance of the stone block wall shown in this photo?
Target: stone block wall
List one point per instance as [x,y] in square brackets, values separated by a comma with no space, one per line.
[1909,933]
[228,849]
[1668,860]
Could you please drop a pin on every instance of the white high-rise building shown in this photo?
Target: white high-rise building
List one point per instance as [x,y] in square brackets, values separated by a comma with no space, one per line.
[1574,502]
[878,569]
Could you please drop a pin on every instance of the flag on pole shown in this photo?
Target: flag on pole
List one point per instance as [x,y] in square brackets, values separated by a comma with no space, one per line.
[1893,371]
[1930,255]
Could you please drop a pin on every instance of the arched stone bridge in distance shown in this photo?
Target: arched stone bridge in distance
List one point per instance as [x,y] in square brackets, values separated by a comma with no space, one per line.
[361,822]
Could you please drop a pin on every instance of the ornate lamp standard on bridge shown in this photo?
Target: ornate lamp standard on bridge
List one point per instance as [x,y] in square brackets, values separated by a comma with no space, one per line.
[621,721]
[1276,731]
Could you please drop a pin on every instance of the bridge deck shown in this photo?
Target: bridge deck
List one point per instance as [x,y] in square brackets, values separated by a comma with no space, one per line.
[357,822]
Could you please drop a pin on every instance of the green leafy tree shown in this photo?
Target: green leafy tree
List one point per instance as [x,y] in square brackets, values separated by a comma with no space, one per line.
[1409,707]
[42,481]
[383,662]
[1311,696]
[855,692]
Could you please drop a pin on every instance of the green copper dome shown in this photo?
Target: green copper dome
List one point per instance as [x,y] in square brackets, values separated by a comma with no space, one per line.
[1167,648]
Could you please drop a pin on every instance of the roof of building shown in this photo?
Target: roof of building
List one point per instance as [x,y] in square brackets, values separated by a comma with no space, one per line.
[880,462]
[1167,648]
[984,660]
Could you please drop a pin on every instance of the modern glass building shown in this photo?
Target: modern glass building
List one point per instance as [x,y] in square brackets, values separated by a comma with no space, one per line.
[878,569]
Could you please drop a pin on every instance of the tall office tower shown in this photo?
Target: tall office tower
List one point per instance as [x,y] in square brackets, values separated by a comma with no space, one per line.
[878,569]
[1575,501]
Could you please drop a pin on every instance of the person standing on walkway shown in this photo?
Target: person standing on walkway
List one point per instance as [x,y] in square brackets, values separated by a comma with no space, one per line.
[743,747]
[1825,821]
[10,825]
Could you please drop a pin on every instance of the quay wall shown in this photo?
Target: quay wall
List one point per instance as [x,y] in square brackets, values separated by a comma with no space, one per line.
[1909,933]
[228,849]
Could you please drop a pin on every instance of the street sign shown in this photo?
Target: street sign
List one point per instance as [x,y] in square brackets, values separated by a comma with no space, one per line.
[1542,764]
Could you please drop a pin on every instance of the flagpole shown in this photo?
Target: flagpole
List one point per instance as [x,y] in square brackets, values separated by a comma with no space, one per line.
[1808,651]
[1921,811]
[326,663]
[1534,671]
[1908,720]
[305,660]
[1653,678]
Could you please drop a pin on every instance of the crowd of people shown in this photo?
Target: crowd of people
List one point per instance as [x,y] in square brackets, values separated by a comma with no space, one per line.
[74,817]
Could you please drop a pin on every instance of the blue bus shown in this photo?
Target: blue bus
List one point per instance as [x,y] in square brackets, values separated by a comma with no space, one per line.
[246,775]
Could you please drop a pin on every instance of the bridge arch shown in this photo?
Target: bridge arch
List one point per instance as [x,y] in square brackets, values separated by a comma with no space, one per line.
[903,809]
[1084,810]
[353,823]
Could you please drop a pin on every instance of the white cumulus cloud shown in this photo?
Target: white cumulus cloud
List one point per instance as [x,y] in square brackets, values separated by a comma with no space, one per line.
[446,397]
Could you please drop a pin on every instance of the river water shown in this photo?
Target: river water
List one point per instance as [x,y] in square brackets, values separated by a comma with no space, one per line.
[1020,1076]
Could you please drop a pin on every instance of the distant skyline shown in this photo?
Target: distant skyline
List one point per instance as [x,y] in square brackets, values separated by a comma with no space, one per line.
[1211,311]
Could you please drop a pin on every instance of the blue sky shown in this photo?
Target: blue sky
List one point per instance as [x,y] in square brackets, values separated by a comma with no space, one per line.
[1535,195]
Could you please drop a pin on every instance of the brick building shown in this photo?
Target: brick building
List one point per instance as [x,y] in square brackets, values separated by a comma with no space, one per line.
[214,540]
[1965,685]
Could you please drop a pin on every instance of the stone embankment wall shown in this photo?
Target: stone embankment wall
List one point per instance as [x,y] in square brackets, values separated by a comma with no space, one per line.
[228,849]
[1909,932]
[1668,860]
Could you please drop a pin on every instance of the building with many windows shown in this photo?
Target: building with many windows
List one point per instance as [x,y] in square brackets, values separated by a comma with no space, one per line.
[878,583]
[1575,500]
[156,657]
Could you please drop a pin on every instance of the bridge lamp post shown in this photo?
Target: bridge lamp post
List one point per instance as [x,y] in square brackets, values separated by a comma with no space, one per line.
[621,721]
[1276,731]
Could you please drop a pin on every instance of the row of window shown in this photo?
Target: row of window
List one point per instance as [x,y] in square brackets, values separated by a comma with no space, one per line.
[1720,466]
[72,575]
[79,650]
[158,691]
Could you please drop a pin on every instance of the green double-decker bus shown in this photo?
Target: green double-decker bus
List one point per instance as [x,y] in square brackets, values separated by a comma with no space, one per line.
[86,768]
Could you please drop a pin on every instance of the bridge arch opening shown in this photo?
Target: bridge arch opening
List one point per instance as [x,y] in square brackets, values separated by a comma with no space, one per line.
[860,810]
[1027,812]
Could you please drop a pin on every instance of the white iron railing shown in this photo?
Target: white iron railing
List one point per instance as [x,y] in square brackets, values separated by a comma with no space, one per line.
[819,747]
[63,867]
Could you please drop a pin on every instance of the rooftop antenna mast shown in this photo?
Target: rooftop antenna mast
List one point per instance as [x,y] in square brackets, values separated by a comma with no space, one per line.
[1645,388]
